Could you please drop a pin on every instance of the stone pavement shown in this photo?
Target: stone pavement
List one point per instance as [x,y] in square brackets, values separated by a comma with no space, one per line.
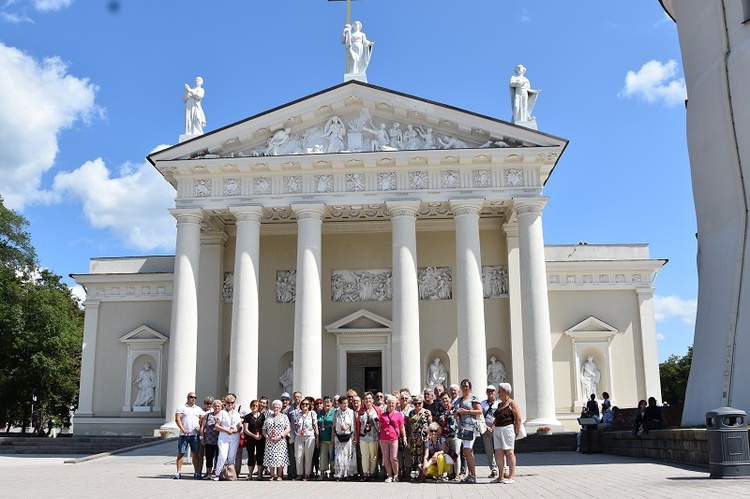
[147,473]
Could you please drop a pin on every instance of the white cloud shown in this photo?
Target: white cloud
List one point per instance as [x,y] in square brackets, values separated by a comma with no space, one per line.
[525,17]
[132,205]
[660,336]
[667,307]
[656,82]
[38,99]
[51,5]
[79,292]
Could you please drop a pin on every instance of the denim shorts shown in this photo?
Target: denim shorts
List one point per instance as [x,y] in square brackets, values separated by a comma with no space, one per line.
[184,440]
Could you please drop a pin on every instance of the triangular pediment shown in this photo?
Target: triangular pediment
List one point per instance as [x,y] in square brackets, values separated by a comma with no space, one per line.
[361,321]
[143,334]
[591,327]
[324,129]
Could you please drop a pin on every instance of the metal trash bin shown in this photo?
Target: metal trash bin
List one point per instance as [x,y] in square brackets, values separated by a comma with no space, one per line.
[728,449]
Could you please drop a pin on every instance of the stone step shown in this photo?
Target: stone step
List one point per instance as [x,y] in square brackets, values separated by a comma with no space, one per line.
[68,445]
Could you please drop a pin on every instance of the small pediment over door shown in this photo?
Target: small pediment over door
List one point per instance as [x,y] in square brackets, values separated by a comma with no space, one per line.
[361,322]
[592,329]
[143,334]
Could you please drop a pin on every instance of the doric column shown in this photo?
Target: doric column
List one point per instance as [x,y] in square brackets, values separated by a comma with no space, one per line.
[650,349]
[516,319]
[88,360]
[243,348]
[405,337]
[183,336]
[308,315]
[210,308]
[537,343]
[472,342]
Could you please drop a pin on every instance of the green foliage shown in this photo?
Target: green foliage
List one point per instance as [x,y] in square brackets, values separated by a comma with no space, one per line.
[41,331]
[674,374]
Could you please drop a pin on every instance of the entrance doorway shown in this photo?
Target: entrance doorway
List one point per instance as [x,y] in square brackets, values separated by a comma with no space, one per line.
[364,371]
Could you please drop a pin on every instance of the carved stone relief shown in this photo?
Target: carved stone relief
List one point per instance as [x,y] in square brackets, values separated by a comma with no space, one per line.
[495,281]
[514,177]
[232,186]
[355,182]
[323,183]
[227,288]
[419,180]
[262,185]
[387,181]
[449,179]
[203,188]
[361,285]
[435,283]
[286,286]
[292,184]
[482,178]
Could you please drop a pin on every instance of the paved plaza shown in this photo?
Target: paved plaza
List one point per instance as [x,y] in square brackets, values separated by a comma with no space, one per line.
[147,473]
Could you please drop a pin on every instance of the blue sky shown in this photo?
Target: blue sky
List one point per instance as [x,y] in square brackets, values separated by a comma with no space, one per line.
[89,88]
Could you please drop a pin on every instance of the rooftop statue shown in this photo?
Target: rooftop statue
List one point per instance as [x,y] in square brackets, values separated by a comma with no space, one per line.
[358,50]
[522,98]
[195,119]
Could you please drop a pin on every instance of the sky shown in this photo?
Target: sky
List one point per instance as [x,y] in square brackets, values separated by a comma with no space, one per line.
[90,87]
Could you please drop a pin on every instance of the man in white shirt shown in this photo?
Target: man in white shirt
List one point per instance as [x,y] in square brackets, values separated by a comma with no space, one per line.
[188,419]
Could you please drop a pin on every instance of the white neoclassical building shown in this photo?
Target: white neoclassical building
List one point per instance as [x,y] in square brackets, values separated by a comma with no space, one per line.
[359,237]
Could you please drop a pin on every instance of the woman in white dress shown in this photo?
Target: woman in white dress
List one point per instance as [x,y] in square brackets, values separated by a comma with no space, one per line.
[345,460]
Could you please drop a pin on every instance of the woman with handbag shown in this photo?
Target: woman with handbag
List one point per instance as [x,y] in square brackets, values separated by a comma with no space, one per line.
[368,429]
[507,429]
[229,425]
[345,460]
[468,408]
[391,431]
[306,438]
[254,441]
[275,429]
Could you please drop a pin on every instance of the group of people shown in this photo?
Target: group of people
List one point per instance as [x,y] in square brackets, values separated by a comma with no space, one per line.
[373,436]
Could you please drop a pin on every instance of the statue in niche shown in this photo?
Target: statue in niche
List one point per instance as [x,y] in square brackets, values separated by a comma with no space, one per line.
[287,378]
[590,377]
[496,372]
[412,142]
[522,97]
[195,119]
[146,382]
[335,131]
[436,374]
[358,48]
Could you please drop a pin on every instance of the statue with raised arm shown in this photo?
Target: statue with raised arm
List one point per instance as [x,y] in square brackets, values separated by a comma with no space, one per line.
[146,382]
[358,48]
[195,119]
[436,374]
[522,97]
[590,377]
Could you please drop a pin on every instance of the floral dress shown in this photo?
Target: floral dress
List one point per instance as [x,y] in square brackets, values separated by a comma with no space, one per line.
[345,460]
[276,453]
[418,423]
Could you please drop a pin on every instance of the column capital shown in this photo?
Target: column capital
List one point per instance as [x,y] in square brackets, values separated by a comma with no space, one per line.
[529,206]
[247,213]
[187,215]
[307,211]
[644,292]
[403,208]
[466,206]
[511,228]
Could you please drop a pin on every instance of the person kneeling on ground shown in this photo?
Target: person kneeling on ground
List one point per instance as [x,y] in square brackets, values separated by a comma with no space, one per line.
[436,461]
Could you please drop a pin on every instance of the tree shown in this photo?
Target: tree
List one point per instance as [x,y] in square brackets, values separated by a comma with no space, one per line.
[674,374]
[41,331]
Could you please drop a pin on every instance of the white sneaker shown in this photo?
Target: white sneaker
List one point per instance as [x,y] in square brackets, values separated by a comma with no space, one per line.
[388,480]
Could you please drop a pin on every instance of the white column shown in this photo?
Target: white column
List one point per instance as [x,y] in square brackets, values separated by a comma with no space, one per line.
[183,336]
[540,389]
[88,360]
[308,315]
[407,361]
[469,294]
[243,347]
[516,320]
[650,354]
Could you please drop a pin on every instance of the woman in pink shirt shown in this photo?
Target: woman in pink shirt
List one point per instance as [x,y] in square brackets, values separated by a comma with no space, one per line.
[391,430]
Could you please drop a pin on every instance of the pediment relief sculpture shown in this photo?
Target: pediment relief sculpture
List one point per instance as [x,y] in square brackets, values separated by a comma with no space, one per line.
[362,132]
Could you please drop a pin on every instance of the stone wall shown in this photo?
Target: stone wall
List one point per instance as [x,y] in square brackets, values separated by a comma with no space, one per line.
[685,446]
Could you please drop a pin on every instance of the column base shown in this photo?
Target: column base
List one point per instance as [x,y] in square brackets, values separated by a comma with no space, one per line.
[532,424]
